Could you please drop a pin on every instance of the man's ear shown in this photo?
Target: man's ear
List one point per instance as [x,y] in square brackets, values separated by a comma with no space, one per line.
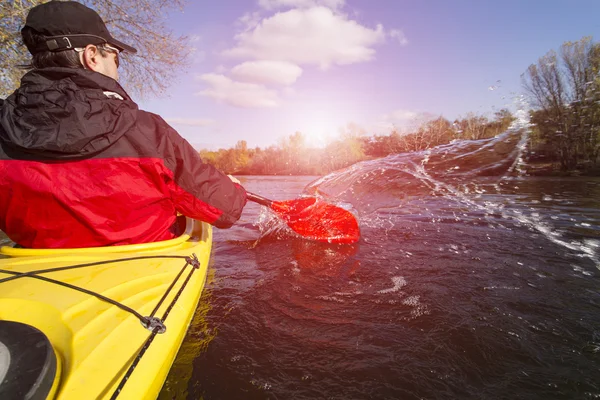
[90,57]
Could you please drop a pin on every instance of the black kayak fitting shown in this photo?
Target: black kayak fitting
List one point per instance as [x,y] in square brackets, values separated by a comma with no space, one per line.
[27,362]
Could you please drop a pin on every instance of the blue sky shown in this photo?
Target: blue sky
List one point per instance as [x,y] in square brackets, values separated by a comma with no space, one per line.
[264,69]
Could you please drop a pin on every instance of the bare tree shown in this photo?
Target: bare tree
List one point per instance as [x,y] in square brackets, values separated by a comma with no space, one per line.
[472,126]
[582,65]
[564,91]
[161,56]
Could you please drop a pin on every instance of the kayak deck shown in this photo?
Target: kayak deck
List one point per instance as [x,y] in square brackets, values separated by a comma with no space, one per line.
[115,316]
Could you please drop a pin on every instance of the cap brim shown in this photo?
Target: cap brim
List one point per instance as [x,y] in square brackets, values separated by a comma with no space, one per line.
[122,46]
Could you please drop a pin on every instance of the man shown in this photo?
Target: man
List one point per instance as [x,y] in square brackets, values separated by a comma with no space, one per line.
[80,164]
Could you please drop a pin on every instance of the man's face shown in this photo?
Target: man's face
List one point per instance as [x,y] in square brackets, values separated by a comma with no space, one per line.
[109,64]
[105,62]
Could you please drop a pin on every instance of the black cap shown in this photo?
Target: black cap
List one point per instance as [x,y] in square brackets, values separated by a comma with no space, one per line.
[68,24]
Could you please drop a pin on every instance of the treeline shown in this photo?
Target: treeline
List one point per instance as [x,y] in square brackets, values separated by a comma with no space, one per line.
[292,156]
[564,91]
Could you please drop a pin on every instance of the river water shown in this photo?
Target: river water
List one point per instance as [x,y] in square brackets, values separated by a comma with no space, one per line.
[471,281]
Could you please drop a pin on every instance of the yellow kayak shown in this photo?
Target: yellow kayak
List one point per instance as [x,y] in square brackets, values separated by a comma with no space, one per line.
[98,323]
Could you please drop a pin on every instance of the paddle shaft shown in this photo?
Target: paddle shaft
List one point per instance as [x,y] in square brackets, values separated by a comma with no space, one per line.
[259,199]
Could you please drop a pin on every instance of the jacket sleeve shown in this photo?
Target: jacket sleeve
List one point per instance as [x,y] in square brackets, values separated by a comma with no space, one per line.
[198,189]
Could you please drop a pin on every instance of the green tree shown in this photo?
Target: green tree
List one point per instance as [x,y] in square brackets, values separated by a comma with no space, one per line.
[341,153]
[161,56]
[241,156]
[294,154]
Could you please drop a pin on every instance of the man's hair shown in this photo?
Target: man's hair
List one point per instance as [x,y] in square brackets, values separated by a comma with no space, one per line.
[45,59]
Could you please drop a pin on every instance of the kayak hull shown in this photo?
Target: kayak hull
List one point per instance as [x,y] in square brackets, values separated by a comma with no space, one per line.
[108,339]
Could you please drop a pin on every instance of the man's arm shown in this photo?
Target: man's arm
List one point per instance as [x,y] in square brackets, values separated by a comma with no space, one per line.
[198,189]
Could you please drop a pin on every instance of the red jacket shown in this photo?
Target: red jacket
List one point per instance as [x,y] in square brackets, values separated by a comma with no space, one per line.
[81,165]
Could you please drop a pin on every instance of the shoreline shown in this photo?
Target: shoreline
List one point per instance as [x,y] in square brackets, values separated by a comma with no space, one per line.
[538,169]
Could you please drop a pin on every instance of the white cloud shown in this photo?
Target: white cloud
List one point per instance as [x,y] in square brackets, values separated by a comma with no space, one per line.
[401,115]
[267,72]
[288,91]
[197,56]
[238,94]
[276,4]
[190,121]
[249,20]
[399,35]
[398,120]
[315,36]
[221,69]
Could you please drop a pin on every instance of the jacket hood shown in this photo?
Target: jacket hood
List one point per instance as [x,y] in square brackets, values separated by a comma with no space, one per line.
[65,113]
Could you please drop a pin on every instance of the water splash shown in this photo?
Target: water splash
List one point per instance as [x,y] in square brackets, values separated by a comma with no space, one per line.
[445,169]
[269,225]
[464,180]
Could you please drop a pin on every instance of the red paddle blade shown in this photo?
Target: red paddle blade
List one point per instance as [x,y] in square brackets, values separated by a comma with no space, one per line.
[317,220]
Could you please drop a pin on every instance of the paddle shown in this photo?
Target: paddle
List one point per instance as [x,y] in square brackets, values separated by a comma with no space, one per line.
[314,219]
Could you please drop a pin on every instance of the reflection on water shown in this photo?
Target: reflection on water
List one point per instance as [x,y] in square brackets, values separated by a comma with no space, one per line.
[463,285]
[197,339]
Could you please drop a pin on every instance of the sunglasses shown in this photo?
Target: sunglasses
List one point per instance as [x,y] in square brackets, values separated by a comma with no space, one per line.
[113,50]
[105,47]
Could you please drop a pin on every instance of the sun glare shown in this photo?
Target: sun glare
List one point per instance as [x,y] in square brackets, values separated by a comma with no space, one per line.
[321,129]
[318,136]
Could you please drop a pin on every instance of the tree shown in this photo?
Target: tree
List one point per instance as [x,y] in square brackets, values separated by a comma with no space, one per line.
[563,88]
[383,145]
[433,133]
[472,127]
[141,23]
[343,152]
[241,155]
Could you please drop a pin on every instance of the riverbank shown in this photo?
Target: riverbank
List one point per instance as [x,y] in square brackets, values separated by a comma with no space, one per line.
[553,170]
